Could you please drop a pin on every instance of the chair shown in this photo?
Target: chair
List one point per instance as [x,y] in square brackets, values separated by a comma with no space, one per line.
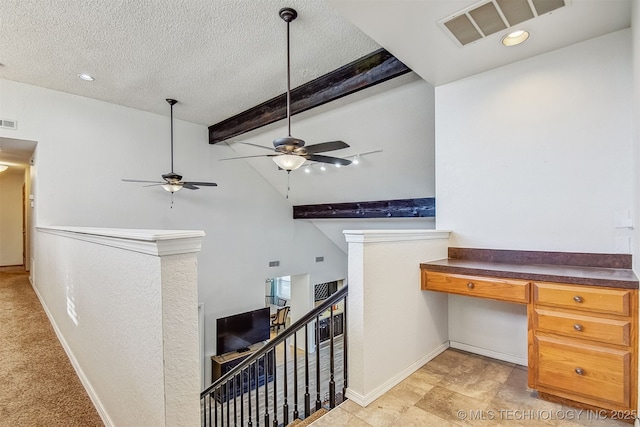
[280,318]
[281,302]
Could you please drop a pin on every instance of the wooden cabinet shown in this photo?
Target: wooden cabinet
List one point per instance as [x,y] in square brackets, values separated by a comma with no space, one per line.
[255,376]
[510,290]
[583,343]
[584,372]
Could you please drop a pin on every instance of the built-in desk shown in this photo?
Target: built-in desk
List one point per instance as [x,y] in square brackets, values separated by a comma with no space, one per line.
[582,314]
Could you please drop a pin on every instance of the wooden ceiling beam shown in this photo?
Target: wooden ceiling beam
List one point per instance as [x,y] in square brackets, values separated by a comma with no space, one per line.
[377,67]
[402,208]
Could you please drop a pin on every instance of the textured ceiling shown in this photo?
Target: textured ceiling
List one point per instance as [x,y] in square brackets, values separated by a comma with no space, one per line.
[216,57]
[221,57]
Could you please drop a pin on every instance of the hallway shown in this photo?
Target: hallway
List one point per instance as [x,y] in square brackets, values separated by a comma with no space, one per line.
[39,385]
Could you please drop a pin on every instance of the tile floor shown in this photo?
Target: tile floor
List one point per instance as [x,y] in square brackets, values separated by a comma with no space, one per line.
[462,389]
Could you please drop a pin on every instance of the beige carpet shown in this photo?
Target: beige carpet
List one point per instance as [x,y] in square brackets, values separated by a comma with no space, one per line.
[38,385]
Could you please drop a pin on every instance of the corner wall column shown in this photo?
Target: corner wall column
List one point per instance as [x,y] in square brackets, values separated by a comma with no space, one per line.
[394,327]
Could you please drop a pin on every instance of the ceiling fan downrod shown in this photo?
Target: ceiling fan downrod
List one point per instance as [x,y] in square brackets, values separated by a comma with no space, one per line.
[288,14]
[171,102]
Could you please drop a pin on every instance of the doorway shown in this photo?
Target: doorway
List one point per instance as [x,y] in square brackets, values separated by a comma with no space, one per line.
[16,202]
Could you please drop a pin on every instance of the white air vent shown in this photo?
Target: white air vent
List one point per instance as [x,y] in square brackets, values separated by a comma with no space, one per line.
[8,124]
[489,17]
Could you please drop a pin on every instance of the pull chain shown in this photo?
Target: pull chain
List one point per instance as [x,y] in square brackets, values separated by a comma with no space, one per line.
[288,180]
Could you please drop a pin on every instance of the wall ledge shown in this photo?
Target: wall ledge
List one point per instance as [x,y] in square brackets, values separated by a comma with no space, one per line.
[373,236]
[150,242]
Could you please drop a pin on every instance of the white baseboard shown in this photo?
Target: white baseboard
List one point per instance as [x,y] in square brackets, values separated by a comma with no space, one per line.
[364,400]
[489,353]
[76,366]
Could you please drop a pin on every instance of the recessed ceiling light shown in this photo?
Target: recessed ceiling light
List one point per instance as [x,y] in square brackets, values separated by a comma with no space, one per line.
[86,77]
[515,38]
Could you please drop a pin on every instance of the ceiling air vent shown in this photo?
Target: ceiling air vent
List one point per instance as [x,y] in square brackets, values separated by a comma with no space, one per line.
[489,17]
[8,124]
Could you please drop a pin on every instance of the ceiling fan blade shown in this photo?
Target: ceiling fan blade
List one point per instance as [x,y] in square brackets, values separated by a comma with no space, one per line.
[189,186]
[328,159]
[369,152]
[326,146]
[249,157]
[141,180]
[256,145]
[155,185]
[204,184]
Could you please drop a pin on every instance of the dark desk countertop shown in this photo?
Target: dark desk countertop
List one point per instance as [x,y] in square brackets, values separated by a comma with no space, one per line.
[461,262]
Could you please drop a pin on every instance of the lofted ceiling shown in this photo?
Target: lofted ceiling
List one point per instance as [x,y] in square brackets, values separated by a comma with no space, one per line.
[410,30]
[221,57]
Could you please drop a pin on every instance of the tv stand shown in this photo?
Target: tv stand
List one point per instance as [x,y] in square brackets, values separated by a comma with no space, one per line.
[223,363]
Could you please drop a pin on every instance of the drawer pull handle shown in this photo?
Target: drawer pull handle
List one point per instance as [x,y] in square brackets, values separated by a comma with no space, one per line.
[579,371]
[578,298]
[470,285]
[577,327]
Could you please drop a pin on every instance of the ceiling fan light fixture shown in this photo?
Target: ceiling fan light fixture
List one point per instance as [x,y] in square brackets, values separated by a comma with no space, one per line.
[289,162]
[172,188]
[515,38]
[3,168]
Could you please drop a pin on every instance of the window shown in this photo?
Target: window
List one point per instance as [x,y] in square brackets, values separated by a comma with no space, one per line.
[283,287]
[278,290]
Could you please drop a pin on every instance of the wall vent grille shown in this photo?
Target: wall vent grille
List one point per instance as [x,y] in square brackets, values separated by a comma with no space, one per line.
[489,17]
[8,124]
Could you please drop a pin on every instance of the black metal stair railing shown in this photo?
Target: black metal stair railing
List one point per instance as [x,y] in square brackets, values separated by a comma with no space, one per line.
[260,389]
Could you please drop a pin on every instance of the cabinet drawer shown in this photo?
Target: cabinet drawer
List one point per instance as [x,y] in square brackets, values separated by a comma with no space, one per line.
[584,370]
[611,331]
[484,287]
[598,300]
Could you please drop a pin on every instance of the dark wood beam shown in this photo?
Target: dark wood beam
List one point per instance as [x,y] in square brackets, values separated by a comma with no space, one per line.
[377,67]
[404,208]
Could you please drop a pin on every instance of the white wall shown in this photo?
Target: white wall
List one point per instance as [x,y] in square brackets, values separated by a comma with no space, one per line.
[536,155]
[123,305]
[85,147]
[394,327]
[11,182]
[635,35]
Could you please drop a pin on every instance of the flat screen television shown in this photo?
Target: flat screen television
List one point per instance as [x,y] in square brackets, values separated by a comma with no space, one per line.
[238,332]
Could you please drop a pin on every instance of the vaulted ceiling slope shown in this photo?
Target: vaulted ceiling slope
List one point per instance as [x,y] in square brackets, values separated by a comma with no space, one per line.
[410,30]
